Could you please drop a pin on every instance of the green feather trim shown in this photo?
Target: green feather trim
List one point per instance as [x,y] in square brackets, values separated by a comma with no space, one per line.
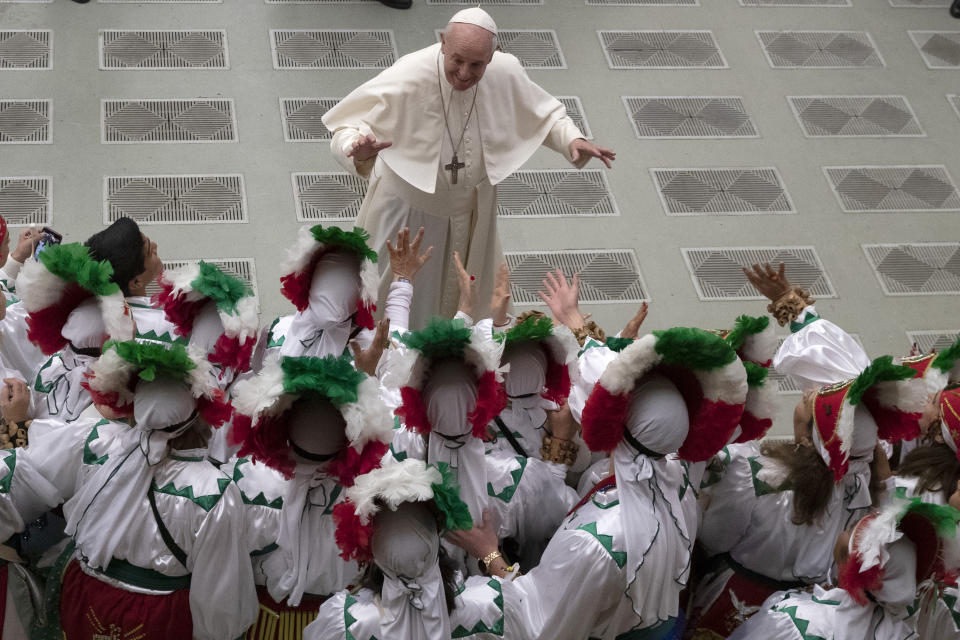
[943,518]
[744,327]
[880,370]
[446,495]
[618,344]
[225,290]
[442,338]
[532,328]
[72,262]
[693,348]
[355,241]
[755,373]
[335,378]
[153,359]
[945,359]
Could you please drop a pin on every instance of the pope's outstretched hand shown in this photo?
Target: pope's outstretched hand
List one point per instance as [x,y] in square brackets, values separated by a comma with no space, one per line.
[366,148]
[582,147]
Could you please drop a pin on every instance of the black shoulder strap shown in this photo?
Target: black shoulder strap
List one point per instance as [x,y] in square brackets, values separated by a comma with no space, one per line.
[510,437]
[168,540]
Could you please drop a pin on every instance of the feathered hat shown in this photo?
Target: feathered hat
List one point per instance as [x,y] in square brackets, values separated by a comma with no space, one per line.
[184,292]
[61,281]
[560,345]
[700,363]
[892,395]
[388,487]
[931,527]
[447,339]
[261,403]
[937,369]
[755,342]
[305,253]
[113,377]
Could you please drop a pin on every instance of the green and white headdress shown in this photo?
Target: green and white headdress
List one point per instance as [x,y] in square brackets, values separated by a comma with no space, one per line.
[561,349]
[755,343]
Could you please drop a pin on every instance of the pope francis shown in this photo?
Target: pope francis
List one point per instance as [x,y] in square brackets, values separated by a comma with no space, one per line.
[435,133]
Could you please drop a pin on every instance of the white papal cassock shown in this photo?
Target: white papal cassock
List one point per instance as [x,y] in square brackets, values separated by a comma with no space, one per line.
[409,187]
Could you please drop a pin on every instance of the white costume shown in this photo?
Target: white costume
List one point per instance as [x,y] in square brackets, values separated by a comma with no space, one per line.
[505,118]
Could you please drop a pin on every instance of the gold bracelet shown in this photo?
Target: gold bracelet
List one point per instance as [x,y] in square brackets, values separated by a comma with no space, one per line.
[788,306]
[487,559]
[589,330]
[559,450]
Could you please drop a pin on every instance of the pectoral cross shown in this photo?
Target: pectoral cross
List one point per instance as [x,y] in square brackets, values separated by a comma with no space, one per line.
[454,166]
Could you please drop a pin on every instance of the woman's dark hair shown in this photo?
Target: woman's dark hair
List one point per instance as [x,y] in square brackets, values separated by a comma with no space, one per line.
[935,466]
[120,244]
[372,578]
[807,476]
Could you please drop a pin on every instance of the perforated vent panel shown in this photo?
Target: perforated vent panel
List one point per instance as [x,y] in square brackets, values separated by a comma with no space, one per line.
[661,50]
[852,116]
[332,49]
[820,49]
[184,199]
[689,117]
[163,49]
[20,49]
[554,193]
[302,118]
[168,121]
[721,191]
[605,276]
[328,196]
[920,268]
[718,272]
[25,201]
[25,121]
[903,188]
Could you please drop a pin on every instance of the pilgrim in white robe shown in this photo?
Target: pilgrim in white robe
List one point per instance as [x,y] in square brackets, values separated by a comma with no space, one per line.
[409,186]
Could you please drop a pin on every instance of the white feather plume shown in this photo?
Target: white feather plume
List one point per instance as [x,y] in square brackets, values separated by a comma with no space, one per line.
[409,480]
[629,365]
[725,384]
[38,288]
[760,347]
[300,252]
[112,373]
[117,317]
[245,322]
[369,282]
[181,279]
[252,396]
[368,418]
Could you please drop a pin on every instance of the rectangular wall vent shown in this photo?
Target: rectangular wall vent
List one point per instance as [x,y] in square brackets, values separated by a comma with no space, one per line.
[548,193]
[335,196]
[689,49]
[717,272]
[183,199]
[29,50]
[855,116]
[919,268]
[820,50]
[157,50]
[26,121]
[26,200]
[137,121]
[893,188]
[605,275]
[742,191]
[676,117]
[332,49]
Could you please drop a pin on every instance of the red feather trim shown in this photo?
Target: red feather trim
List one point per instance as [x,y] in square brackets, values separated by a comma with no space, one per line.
[413,411]
[45,326]
[240,428]
[893,424]
[215,412]
[752,427]
[110,399]
[604,417]
[295,287]
[232,354]
[349,463]
[711,427]
[857,582]
[268,443]
[491,401]
[557,383]
[178,310]
[364,317]
[839,462]
[352,536]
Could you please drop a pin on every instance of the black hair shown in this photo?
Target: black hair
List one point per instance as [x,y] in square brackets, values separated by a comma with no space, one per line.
[935,466]
[120,244]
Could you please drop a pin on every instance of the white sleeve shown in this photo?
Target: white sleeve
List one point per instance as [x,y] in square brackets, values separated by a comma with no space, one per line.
[819,352]
[553,600]
[223,598]
[726,518]
[467,320]
[340,144]
[330,623]
[397,306]
[10,269]
[56,451]
[563,132]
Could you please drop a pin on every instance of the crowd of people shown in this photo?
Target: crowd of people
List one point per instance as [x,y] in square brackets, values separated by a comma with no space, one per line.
[171,469]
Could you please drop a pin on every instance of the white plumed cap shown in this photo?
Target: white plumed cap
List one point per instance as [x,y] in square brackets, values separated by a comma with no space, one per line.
[475,16]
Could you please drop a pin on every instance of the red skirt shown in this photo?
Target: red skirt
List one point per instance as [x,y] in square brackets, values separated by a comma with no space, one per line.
[279,621]
[91,609]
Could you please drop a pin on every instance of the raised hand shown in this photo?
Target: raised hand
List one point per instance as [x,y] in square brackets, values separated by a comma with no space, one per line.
[468,293]
[366,148]
[561,424]
[367,360]
[26,244]
[632,330]
[405,258]
[500,300]
[581,147]
[563,299]
[771,284]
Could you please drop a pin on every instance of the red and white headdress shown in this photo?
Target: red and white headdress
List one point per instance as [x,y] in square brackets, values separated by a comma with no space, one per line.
[704,368]
[937,369]
[755,343]
[892,395]
[54,287]
[305,253]
[561,348]
[931,527]
[184,292]
[261,404]
[114,376]
[447,339]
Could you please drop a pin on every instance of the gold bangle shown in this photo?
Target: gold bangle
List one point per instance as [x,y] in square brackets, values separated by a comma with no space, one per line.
[559,450]
[487,559]
[788,306]
[589,330]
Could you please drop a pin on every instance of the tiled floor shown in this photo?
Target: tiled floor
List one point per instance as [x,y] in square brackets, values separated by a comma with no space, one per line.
[823,133]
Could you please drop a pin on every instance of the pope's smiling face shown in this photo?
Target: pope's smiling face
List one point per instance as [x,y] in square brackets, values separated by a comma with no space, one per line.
[467,50]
